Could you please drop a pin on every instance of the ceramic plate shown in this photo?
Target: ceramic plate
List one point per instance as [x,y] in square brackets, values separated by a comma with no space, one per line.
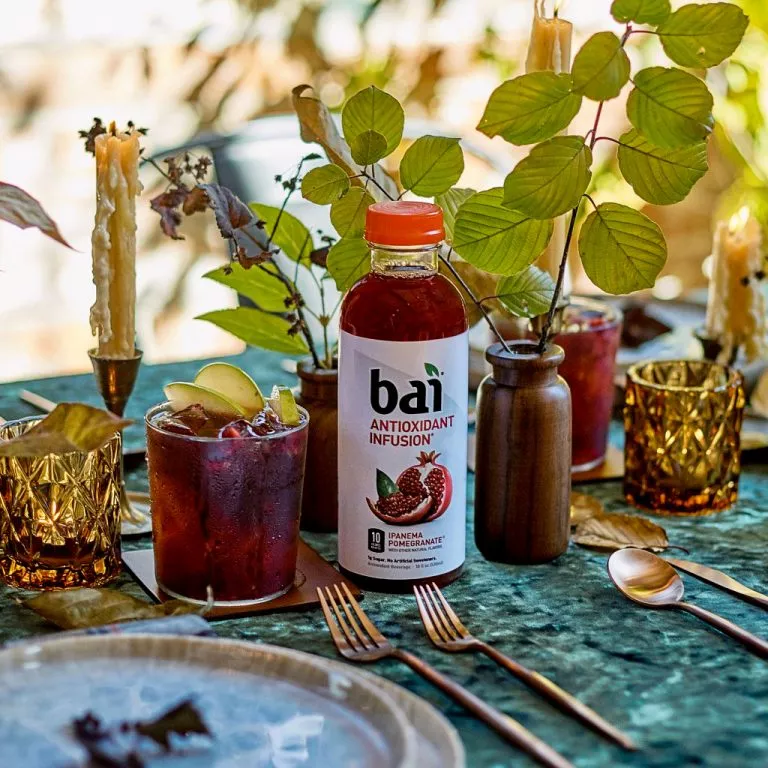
[266,706]
[440,745]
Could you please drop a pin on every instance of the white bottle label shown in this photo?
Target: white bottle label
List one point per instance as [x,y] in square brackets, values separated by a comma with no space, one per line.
[402,456]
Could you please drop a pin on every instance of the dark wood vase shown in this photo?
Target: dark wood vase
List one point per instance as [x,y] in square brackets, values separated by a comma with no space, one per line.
[523,460]
[318,393]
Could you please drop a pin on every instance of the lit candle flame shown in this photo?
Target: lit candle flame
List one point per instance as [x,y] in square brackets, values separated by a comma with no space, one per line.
[739,220]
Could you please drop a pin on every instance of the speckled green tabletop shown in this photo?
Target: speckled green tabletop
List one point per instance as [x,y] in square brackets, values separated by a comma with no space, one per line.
[688,695]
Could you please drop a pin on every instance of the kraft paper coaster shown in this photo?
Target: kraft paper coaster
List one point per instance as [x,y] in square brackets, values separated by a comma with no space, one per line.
[312,571]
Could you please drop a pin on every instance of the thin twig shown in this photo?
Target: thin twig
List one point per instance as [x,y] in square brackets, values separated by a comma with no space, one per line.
[592,137]
[460,280]
[372,179]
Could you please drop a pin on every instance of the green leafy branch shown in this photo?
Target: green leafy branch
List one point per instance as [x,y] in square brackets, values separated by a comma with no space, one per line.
[661,157]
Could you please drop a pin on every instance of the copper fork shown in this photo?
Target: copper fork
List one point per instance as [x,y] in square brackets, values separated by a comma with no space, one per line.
[447,632]
[365,643]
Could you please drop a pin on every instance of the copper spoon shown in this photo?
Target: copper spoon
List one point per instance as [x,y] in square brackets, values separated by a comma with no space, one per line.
[647,579]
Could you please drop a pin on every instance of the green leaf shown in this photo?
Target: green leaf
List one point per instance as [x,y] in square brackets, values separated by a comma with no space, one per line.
[368,147]
[660,176]
[257,329]
[703,35]
[551,179]
[495,238]
[348,214]
[621,249]
[450,201]
[317,125]
[288,234]
[530,108]
[431,165]
[528,293]
[373,110]
[385,485]
[266,291]
[601,67]
[431,370]
[348,260]
[640,11]
[324,185]
[671,108]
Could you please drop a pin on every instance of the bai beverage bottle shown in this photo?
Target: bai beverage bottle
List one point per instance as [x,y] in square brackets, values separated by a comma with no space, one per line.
[403,359]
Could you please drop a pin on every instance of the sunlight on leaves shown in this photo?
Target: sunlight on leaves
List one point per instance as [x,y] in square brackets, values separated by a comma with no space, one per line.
[317,126]
[450,201]
[660,176]
[348,260]
[528,293]
[324,185]
[641,11]
[258,329]
[530,108]
[703,35]
[266,291]
[290,235]
[671,108]
[601,67]
[496,238]
[551,179]
[373,110]
[348,213]
[431,165]
[368,147]
[621,249]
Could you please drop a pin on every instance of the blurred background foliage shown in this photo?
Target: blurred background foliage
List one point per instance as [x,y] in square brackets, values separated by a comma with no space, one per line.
[187,68]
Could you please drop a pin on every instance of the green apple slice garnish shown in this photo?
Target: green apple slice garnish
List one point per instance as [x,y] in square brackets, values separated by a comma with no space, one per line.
[284,405]
[182,394]
[234,384]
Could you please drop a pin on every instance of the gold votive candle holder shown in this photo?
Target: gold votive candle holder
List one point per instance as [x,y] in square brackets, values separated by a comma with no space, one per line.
[59,515]
[682,424]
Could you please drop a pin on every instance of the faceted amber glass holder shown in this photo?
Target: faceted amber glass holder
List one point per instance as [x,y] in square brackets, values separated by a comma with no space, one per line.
[682,421]
[59,516]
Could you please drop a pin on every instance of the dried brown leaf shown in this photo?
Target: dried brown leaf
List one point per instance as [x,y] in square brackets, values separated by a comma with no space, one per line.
[317,126]
[167,204]
[611,532]
[84,608]
[68,427]
[583,507]
[21,209]
[319,256]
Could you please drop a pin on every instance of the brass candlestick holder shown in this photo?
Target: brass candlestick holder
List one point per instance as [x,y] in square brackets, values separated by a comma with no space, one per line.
[115,378]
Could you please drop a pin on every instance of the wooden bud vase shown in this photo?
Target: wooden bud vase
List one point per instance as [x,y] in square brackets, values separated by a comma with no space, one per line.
[318,393]
[523,461]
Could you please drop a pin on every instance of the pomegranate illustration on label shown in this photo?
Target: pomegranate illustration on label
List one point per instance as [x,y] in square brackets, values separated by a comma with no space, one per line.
[421,493]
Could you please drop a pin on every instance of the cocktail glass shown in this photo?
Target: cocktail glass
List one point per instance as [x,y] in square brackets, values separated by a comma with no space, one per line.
[590,335]
[225,511]
[59,515]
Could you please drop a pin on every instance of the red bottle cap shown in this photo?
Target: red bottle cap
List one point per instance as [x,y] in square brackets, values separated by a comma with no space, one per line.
[403,222]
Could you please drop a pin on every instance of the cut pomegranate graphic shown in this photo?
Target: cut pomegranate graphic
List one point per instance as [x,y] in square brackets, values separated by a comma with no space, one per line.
[422,493]
[428,479]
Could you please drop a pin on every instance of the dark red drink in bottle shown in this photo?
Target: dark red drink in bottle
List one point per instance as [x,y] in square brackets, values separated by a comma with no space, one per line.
[403,389]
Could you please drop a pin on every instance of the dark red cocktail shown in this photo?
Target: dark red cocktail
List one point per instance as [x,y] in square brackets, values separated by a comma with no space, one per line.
[225,504]
[590,338]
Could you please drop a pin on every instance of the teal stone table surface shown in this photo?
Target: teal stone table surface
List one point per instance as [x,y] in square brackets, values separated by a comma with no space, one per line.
[686,693]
